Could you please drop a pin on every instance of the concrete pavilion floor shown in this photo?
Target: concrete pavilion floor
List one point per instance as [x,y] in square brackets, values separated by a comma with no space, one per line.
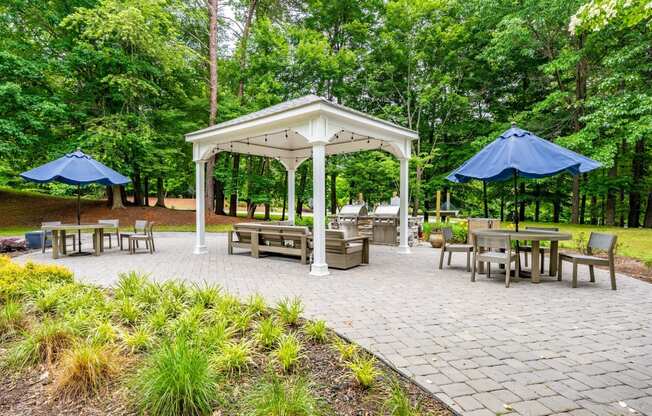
[539,349]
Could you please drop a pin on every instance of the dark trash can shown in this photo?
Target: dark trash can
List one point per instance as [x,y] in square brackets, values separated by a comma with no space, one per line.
[33,239]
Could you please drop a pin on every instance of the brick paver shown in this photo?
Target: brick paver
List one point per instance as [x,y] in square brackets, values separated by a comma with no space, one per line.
[533,349]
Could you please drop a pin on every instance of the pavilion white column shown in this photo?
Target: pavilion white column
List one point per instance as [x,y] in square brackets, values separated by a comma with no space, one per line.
[291,201]
[200,202]
[405,196]
[319,266]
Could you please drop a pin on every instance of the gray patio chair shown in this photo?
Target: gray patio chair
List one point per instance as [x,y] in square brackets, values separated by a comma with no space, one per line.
[447,233]
[597,241]
[140,228]
[112,223]
[47,235]
[148,238]
[525,249]
[495,249]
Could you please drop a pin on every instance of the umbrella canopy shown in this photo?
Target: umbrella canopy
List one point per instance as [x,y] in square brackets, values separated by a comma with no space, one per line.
[76,168]
[521,152]
[516,153]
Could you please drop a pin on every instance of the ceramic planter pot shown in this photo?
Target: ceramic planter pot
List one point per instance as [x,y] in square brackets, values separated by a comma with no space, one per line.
[436,239]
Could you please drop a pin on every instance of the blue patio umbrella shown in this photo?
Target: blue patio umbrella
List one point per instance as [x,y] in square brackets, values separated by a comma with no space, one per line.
[76,168]
[517,153]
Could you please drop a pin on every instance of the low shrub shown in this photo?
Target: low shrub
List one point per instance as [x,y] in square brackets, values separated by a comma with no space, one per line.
[176,380]
[460,230]
[287,351]
[290,310]
[276,397]
[364,371]
[316,331]
[268,332]
[84,369]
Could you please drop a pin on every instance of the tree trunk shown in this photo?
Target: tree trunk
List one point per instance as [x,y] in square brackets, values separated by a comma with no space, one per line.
[583,200]
[285,196]
[146,185]
[638,171]
[210,185]
[537,202]
[502,207]
[212,59]
[219,194]
[243,46]
[233,199]
[117,201]
[648,212]
[109,196]
[610,208]
[123,196]
[267,211]
[333,193]
[621,208]
[160,193]
[302,189]
[556,205]
[138,190]
[575,207]
[594,210]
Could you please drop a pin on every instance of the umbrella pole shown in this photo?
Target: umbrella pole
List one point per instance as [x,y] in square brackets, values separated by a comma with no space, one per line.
[78,218]
[516,199]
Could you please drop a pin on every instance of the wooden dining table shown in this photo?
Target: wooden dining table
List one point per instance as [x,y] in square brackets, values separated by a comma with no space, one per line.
[535,237]
[59,236]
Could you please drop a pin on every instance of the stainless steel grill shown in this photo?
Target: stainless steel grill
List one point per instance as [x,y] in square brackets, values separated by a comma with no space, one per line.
[353,220]
[386,226]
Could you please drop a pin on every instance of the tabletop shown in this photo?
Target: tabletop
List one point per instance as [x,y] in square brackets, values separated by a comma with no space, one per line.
[76,227]
[528,235]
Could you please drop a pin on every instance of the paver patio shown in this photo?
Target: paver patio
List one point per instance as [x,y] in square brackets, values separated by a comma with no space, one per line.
[484,349]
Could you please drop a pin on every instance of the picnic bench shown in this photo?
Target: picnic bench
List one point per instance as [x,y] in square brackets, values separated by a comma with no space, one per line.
[289,240]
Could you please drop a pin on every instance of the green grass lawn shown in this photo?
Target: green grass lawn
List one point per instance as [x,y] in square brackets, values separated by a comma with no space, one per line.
[632,242]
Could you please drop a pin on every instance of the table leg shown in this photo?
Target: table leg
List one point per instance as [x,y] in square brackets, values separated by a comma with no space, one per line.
[554,257]
[63,243]
[96,236]
[535,273]
[55,244]
[365,251]
[101,240]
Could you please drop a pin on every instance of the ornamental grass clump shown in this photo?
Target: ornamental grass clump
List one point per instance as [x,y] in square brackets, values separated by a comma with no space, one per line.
[398,402]
[138,340]
[176,380]
[268,332]
[234,357]
[127,310]
[12,320]
[290,310]
[346,350]
[278,397]
[316,331]
[287,352]
[42,344]
[364,371]
[206,295]
[85,368]
[256,304]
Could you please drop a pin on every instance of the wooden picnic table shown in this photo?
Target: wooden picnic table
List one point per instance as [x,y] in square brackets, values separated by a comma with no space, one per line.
[535,237]
[59,236]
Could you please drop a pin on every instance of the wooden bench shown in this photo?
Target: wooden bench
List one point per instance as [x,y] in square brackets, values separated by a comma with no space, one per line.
[346,252]
[269,238]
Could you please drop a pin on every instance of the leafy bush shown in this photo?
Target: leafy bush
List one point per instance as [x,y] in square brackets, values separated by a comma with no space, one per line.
[42,344]
[364,371]
[316,331]
[175,380]
[84,368]
[275,397]
[347,351]
[268,332]
[288,351]
[290,310]
[460,230]
[233,357]
[12,320]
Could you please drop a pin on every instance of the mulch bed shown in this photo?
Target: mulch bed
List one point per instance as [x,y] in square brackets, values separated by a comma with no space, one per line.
[30,392]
